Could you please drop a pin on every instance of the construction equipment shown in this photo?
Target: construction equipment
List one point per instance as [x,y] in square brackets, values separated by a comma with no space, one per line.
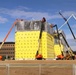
[68,25]
[52,26]
[9,32]
[57,33]
[69,53]
[34,38]
[1,57]
[39,56]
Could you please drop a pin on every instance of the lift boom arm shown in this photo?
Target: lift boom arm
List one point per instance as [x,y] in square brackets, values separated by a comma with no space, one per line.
[69,48]
[60,34]
[8,33]
[40,35]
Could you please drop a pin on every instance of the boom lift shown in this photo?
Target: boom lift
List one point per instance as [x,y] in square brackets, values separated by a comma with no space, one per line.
[39,56]
[9,32]
[57,33]
[69,53]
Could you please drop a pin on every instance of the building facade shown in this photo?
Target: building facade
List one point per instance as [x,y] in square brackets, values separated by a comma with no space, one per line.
[26,40]
[8,50]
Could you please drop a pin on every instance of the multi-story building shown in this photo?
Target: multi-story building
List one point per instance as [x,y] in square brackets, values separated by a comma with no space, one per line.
[26,40]
[8,50]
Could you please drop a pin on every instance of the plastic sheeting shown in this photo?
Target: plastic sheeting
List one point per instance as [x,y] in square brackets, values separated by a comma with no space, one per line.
[32,25]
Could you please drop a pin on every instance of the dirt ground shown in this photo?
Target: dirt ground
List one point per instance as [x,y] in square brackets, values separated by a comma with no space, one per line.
[37,67]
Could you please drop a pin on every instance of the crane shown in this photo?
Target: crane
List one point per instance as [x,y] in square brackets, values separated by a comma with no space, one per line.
[68,25]
[17,20]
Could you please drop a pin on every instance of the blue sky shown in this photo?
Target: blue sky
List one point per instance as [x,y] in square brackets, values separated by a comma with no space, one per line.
[10,10]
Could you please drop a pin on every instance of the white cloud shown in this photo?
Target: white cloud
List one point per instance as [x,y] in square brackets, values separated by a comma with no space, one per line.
[17,13]
[3,20]
[24,12]
[68,13]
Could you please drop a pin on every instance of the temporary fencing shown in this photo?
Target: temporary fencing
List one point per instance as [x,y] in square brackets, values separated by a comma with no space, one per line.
[37,69]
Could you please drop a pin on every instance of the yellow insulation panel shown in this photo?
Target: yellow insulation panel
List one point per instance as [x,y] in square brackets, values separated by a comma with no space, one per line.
[50,46]
[26,45]
[58,49]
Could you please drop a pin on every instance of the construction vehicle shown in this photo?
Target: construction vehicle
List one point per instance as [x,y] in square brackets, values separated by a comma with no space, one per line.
[34,40]
[0,57]
[39,56]
[69,53]
[73,57]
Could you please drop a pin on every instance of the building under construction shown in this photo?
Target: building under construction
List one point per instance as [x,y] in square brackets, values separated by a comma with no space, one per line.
[27,41]
[39,40]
